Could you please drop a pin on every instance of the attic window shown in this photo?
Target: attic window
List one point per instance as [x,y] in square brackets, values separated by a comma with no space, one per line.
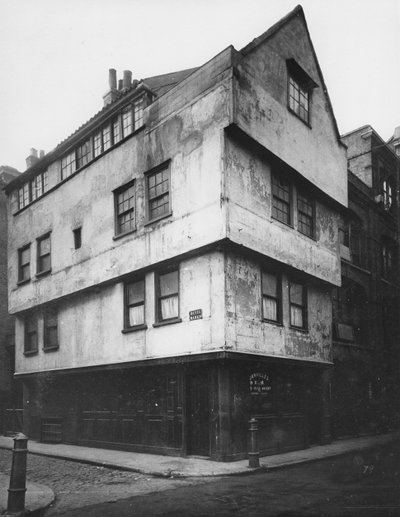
[300,86]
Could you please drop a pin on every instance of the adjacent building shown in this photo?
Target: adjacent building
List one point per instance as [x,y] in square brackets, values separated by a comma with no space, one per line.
[171,263]
[366,306]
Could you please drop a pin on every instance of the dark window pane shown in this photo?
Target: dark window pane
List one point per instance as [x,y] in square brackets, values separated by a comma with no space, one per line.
[168,283]
[135,292]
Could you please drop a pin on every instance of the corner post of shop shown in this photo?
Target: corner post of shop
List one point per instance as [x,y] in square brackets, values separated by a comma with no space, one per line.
[254,453]
[17,490]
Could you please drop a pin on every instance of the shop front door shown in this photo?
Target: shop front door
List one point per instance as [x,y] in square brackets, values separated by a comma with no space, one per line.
[198,414]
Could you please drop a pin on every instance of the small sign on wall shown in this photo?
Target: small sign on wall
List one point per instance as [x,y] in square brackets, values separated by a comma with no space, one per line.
[196,314]
[260,383]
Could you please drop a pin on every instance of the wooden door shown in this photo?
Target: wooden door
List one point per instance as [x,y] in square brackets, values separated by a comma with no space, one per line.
[198,414]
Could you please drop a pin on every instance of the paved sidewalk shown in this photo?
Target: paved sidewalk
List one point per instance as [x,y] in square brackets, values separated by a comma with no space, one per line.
[37,496]
[171,466]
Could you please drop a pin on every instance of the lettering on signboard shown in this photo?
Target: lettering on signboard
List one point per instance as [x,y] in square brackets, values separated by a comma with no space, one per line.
[260,383]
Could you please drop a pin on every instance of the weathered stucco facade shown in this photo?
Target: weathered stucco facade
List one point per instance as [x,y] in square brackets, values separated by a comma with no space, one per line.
[229,157]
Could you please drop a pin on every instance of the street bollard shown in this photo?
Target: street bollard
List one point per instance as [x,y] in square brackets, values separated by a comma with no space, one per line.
[254,453]
[16,492]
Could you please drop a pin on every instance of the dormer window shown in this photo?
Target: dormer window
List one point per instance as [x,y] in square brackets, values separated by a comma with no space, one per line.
[300,86]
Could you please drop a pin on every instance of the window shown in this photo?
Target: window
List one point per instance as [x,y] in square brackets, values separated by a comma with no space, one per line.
[158,198]
[306,217]
[297,300]
[30,341]
[167,296]
[24,196]
[32,190]
[271,297]
[387,261]
[138,113]
[134,304]
[83,154]
[77,238]
[124,199]
[50,318]
[127,121]
[68,165]
[387,194]
[24,263]
[43,254]
[299,99]
[281,199]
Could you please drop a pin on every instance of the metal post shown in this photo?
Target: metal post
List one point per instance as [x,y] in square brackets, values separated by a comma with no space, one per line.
[254,453]
[16,492]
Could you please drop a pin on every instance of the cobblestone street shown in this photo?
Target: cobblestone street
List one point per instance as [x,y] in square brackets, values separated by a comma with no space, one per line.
[77,485]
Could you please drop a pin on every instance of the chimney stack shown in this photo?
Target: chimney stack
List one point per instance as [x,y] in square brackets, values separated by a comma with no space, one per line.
[127,81]
[112,93]
[32,158]
[41,153]
[112,78]
[120,84]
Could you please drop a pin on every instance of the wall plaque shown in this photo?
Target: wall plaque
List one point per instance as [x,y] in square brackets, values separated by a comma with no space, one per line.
[260,383]
[196,314]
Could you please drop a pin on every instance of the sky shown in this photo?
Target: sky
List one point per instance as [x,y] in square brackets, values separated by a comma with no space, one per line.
[55,56]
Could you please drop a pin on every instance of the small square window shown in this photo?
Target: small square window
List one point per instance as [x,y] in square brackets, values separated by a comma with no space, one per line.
[124,200]
[167,295]
[298,305]
[43,254]
[271,297]
[77,238]
[134,304]
[24,263]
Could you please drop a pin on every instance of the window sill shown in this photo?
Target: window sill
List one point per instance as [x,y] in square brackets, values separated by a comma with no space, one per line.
[155,220]
[120,235]
[32,352]
[43,273]
[288,225]
[167,322]
[128,330]
[306,122]
[311,237]
[22,282]
[359,268]
[272,322]
[50,348]
[299,329]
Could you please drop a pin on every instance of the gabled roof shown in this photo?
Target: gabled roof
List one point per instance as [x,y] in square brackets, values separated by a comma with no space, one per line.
[296,12]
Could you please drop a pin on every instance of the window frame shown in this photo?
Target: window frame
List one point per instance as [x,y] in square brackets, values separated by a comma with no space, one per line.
[306,199]
[277,298]
[165,166]
[77,232]
[302,83]
[303,306]
[387,194]
[127,305]
[159,297]
[21,279]
[49,314]
[388,260]
[30,319]
[276,181]
[39,256]
[117,192]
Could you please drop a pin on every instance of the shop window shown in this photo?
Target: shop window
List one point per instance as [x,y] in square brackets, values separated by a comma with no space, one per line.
[134,304]
[24,264]
[167,296]
[281,205]
[305,214]
[50,319]
[31,336]
[43,254]
[271,297]
[298,305]
[158,193]
[124,199]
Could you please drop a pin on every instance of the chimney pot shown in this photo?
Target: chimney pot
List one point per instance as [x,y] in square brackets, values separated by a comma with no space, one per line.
[32,158]
[112,78]
[41,153]
[120,84]
[127,81]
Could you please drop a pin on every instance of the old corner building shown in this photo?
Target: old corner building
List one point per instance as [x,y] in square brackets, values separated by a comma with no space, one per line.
[172,262]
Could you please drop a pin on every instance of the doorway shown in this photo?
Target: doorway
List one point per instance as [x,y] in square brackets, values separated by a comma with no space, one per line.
[198,414]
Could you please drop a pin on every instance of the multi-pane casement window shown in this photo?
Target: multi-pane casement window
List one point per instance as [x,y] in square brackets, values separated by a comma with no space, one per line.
[124,200]
[281,199]
[24,264]
[299,99]
[30,335]
[305,214]
[43,254]
[298,305]
[32,190]
[387,193]
[50,323]
[167,296]
[120,126]
[158,192]
[134,304]
[271,297]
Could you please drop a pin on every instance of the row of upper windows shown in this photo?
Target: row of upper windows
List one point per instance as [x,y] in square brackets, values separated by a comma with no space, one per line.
[167,307]
[120,126]
[43,259]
